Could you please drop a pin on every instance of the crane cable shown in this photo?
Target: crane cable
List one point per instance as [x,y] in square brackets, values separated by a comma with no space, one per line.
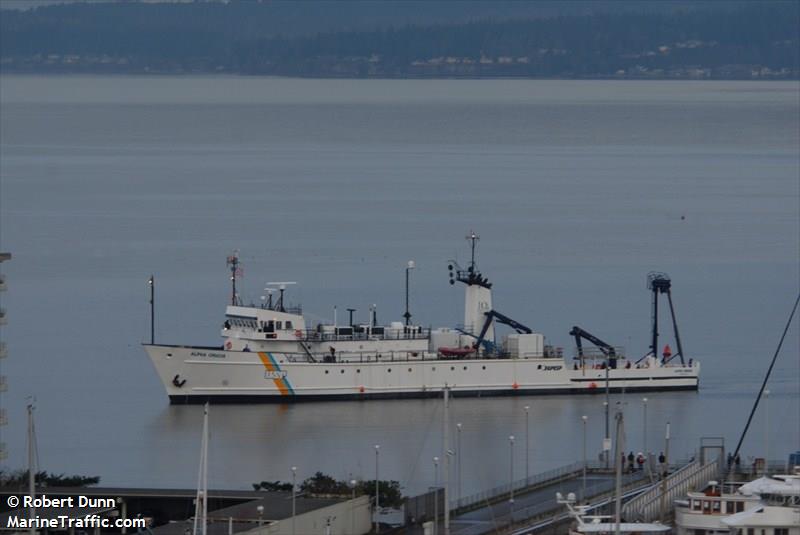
[766,378]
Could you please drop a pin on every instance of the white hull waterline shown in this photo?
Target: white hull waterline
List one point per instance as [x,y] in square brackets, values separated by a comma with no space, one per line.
[268,354]
[239,376]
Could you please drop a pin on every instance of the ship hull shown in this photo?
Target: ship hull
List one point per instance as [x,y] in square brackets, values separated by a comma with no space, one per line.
[200,374]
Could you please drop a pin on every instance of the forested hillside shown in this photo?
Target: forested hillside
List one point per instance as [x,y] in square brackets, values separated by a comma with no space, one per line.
[669,40]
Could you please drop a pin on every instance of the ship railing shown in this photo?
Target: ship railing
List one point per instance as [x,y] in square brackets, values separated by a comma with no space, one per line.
[595,353]
[359,357]
[344,357]
[288,309]
[314,335]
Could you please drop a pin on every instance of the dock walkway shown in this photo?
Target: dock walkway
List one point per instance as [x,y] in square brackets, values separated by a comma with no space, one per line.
[533,499]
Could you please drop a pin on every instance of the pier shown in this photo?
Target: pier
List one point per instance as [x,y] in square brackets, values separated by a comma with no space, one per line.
[533,499]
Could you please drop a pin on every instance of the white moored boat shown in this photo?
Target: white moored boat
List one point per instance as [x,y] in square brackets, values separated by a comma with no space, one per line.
[270,353]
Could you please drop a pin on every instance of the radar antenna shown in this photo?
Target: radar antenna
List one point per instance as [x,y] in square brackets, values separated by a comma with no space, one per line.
[267,298]
[281,288]
[235,265]
[471,275]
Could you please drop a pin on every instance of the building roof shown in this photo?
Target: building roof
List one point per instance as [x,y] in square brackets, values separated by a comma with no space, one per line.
[245,516]
[780,485]
[764,516]
[277,506]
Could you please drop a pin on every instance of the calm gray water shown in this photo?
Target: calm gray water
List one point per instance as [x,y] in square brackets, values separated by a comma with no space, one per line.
[577,190]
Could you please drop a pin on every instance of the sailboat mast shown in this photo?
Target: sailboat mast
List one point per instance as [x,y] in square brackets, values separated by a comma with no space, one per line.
[201,500]
[32,468]
[446,447]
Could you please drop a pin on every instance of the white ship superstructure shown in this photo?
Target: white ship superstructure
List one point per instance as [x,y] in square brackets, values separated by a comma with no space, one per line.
[765,506]
[270,353]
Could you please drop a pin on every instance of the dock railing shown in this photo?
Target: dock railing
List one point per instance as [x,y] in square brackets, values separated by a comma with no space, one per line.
[521,485]
[648,505]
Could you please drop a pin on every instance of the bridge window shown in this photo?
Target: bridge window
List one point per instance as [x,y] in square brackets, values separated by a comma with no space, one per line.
[279,325]
[288,325]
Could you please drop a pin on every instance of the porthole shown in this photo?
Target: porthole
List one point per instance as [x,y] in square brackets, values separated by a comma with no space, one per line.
[409,370]
[452,368]
[465,367]
[326,371]
[389,370]
[484,367]
[539,367]
[433,369]
[358,371]
[342,371]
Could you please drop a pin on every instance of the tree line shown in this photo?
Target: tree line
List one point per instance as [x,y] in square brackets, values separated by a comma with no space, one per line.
[213,37]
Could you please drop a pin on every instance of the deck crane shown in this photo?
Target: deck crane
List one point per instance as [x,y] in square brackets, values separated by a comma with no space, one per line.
[660,283]
[607,349]
[493,315]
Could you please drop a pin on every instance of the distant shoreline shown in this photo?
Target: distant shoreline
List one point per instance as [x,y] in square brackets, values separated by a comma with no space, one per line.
[212,74]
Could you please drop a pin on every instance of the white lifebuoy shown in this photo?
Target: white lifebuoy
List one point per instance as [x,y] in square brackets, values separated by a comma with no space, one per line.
[228,344]
[298,334]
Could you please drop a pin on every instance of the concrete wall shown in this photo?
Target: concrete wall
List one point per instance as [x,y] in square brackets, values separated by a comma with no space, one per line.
[347,518]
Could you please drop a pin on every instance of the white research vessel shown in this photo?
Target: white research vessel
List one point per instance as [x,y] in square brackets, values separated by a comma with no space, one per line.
[270,353]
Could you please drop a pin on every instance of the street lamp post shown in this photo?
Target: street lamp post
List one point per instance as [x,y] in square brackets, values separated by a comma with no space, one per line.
[644,428]
[435,494]
[151,282]
[766,432]
[458,459]
[511,474]
[607,438]
[377,493]
[353,507]
[294,498]
[584,418]
[407,315]
[527,444]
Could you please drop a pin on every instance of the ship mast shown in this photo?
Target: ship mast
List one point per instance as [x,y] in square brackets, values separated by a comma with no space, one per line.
[234,264]
[473,238]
